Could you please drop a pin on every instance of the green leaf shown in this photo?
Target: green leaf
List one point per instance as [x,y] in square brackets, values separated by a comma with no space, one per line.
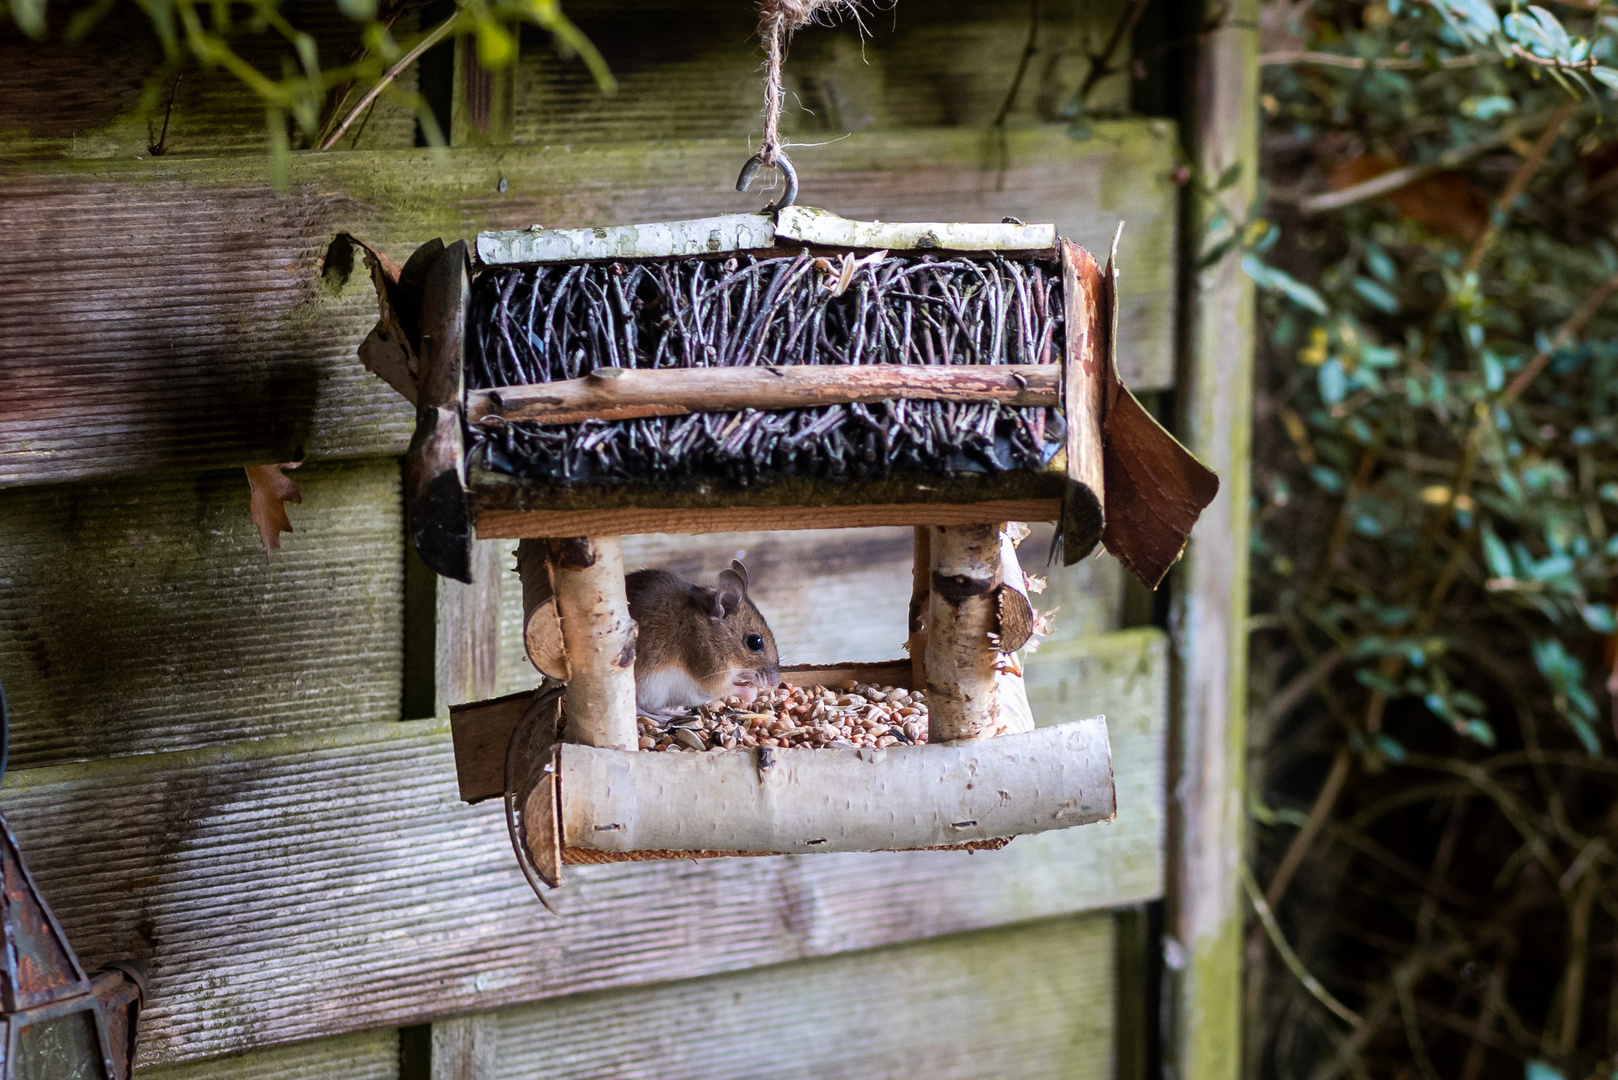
[1598,617]
[1333,381]
[1376,295]
[358,10]
[29,15]
[1496,554]
[84,20]
[1380,264]
[497,48]
[1273,280]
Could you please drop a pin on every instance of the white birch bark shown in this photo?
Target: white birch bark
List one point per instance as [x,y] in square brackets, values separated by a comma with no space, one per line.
[587,574]
[837,800]
[961,659]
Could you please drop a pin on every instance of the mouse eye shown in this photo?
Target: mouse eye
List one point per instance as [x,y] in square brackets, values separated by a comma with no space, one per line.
[754,642]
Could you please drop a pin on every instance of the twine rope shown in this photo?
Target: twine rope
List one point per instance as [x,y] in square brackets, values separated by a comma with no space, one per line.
[777,21]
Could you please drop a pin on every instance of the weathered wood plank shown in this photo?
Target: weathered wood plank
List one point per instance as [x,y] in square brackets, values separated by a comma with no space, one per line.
[1204,914]
[370,1055]
[625,520]
[144,615]
[1028,1002]
[361,893]
[205,325]
[685,70]
[691,70]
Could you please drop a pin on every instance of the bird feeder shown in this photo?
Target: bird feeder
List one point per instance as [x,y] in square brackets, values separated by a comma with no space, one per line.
[789,369]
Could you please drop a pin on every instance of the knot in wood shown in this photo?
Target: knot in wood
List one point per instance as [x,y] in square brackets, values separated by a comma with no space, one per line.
[625,660]
[572,552]
[958,588]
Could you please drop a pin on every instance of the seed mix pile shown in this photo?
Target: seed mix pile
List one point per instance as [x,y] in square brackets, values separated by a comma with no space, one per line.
[854,716]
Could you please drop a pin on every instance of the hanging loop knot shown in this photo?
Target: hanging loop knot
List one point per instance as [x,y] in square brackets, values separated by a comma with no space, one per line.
[777,20]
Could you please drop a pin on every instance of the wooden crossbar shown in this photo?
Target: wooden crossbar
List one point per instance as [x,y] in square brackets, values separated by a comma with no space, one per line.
[626,393]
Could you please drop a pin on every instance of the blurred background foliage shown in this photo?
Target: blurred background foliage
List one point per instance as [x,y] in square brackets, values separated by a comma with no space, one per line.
[310,102]
[1434,791]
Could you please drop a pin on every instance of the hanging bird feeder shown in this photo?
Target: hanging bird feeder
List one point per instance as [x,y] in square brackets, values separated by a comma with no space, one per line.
[788,369]
[783,370]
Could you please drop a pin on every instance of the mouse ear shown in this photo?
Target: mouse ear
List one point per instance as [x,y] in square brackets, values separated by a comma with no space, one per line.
[729,594]
[741,572]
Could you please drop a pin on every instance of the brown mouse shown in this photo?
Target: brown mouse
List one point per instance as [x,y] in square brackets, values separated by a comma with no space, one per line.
[698,642]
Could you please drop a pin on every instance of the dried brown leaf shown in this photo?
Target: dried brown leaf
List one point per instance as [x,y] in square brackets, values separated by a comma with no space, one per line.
[1445,202]
[272,490]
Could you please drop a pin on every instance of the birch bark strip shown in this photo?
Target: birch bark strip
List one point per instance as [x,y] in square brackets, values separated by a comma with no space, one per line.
[921,591]
[587,573]
[963,611]
[838,800]
[1011,696]
[541,628]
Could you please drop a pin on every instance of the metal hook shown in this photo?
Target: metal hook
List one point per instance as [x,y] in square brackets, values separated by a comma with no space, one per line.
[751,169]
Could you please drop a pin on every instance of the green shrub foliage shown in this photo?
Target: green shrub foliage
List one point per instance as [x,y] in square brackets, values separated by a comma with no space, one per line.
[1436,534]
[305,99]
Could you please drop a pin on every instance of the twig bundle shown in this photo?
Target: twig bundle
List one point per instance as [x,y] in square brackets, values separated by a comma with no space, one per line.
[544,324]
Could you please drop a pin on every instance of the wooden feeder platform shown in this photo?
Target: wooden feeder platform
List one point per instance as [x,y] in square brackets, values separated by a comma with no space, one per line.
[794,370]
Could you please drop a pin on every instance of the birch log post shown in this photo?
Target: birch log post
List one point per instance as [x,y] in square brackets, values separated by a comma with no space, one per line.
[587,573]
[962,613]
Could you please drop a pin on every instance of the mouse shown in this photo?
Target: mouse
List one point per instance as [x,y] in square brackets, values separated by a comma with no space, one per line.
[698,642]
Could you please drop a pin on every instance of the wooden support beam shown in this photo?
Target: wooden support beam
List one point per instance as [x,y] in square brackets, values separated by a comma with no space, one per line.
[838,800]
[623,393]
[598,634]
[1204,910]
[963,612]
[630,519]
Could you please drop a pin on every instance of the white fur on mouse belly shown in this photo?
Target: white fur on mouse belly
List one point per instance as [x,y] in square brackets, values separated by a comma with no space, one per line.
[667,689]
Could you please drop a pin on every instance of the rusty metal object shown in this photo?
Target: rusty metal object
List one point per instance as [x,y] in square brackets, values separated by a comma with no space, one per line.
[55,1021]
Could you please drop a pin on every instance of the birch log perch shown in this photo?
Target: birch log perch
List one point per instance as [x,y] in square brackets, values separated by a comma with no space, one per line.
[541,628]
[962,613]
[837,800]
[614,393]
[598,635]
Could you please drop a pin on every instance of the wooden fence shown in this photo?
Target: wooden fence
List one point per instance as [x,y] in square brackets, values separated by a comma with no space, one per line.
[238,770]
